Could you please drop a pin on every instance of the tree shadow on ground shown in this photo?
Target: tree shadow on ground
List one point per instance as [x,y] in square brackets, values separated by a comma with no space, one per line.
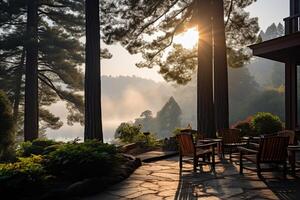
[227,183]
[288,189]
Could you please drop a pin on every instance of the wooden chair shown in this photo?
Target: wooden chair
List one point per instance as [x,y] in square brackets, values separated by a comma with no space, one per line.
[231,139]
[188,148]
[270,150]
[290,134]
[292,141]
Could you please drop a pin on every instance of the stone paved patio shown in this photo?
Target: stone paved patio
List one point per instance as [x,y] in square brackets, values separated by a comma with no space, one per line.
[161,180]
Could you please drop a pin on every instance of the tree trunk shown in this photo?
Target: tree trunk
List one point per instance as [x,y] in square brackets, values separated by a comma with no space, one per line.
[17,92]
[220,67]
[205,105]
[31,73]
[93,119]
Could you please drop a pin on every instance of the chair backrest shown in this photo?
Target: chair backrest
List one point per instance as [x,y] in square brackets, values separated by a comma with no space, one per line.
[230,135]
[288,133]
[273,149]
[196,134]
[186,144]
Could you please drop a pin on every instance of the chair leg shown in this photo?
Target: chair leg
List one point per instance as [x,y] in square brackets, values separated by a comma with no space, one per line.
[213,161]
[230,152]
[180,162]
[223,152]
[258,170]
[292,161]
[195,163]
[241,162]
[284,169]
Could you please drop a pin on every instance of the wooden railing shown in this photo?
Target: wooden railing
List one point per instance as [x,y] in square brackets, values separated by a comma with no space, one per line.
[292,24]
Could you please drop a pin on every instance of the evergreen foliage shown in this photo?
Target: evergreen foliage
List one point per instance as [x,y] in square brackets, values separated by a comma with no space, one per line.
[149,27]
[168,117]
[6,128]
[165,122]
[147,122]
[59,28]
[131,133]
[82,160]
[37,174]
[37,147]
[266,123]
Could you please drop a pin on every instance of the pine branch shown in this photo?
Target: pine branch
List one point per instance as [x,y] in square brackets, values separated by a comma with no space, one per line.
[49,83]
[229,12]
[53,6]
[171,41]
[155,20]
[49,70]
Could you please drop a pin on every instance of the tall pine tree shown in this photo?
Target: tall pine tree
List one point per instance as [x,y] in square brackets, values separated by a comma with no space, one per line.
[149,28]
[31,72]
[93,120]
[60,25]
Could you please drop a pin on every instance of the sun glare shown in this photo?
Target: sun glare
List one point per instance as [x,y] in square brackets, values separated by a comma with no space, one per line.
[187,39]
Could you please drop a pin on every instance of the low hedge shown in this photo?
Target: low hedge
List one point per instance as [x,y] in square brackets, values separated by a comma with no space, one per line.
[39,170]
[82,160]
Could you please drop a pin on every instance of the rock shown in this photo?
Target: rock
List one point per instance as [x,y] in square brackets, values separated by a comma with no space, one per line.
[86,187]
[128,147]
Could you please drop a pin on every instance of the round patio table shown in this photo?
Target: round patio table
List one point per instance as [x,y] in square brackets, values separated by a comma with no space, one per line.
[213,140]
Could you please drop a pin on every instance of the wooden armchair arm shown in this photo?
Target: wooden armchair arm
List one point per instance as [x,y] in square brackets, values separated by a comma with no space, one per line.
[243,149]
[255,145]
[206,145]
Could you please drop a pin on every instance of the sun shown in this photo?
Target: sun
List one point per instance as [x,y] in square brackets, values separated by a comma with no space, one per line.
[187,39]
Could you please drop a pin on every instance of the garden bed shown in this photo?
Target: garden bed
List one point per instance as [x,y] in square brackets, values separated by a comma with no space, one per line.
[49,170]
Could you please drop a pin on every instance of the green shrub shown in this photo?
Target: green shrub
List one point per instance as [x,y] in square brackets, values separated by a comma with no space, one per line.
[81,160]
[130,133]
[31,168]
[6,128]
[149,140]
[37,147]
[127,132]
[266,123]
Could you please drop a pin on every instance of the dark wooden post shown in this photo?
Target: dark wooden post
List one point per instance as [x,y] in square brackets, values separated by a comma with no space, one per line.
[93,122]
[205,105]
[291,94]
[31,122]
[294,7]
[220,67]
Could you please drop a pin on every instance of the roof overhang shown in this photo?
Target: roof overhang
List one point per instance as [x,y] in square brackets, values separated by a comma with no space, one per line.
[279,49]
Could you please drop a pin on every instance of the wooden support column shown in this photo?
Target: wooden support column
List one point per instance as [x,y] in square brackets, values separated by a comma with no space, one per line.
[291,94]
[220,67]
[205,105]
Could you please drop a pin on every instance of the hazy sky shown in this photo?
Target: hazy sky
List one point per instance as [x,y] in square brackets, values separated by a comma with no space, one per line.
[122,63]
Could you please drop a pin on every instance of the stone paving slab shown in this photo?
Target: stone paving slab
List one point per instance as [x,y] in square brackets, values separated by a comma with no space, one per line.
[151,156]
[162,180]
